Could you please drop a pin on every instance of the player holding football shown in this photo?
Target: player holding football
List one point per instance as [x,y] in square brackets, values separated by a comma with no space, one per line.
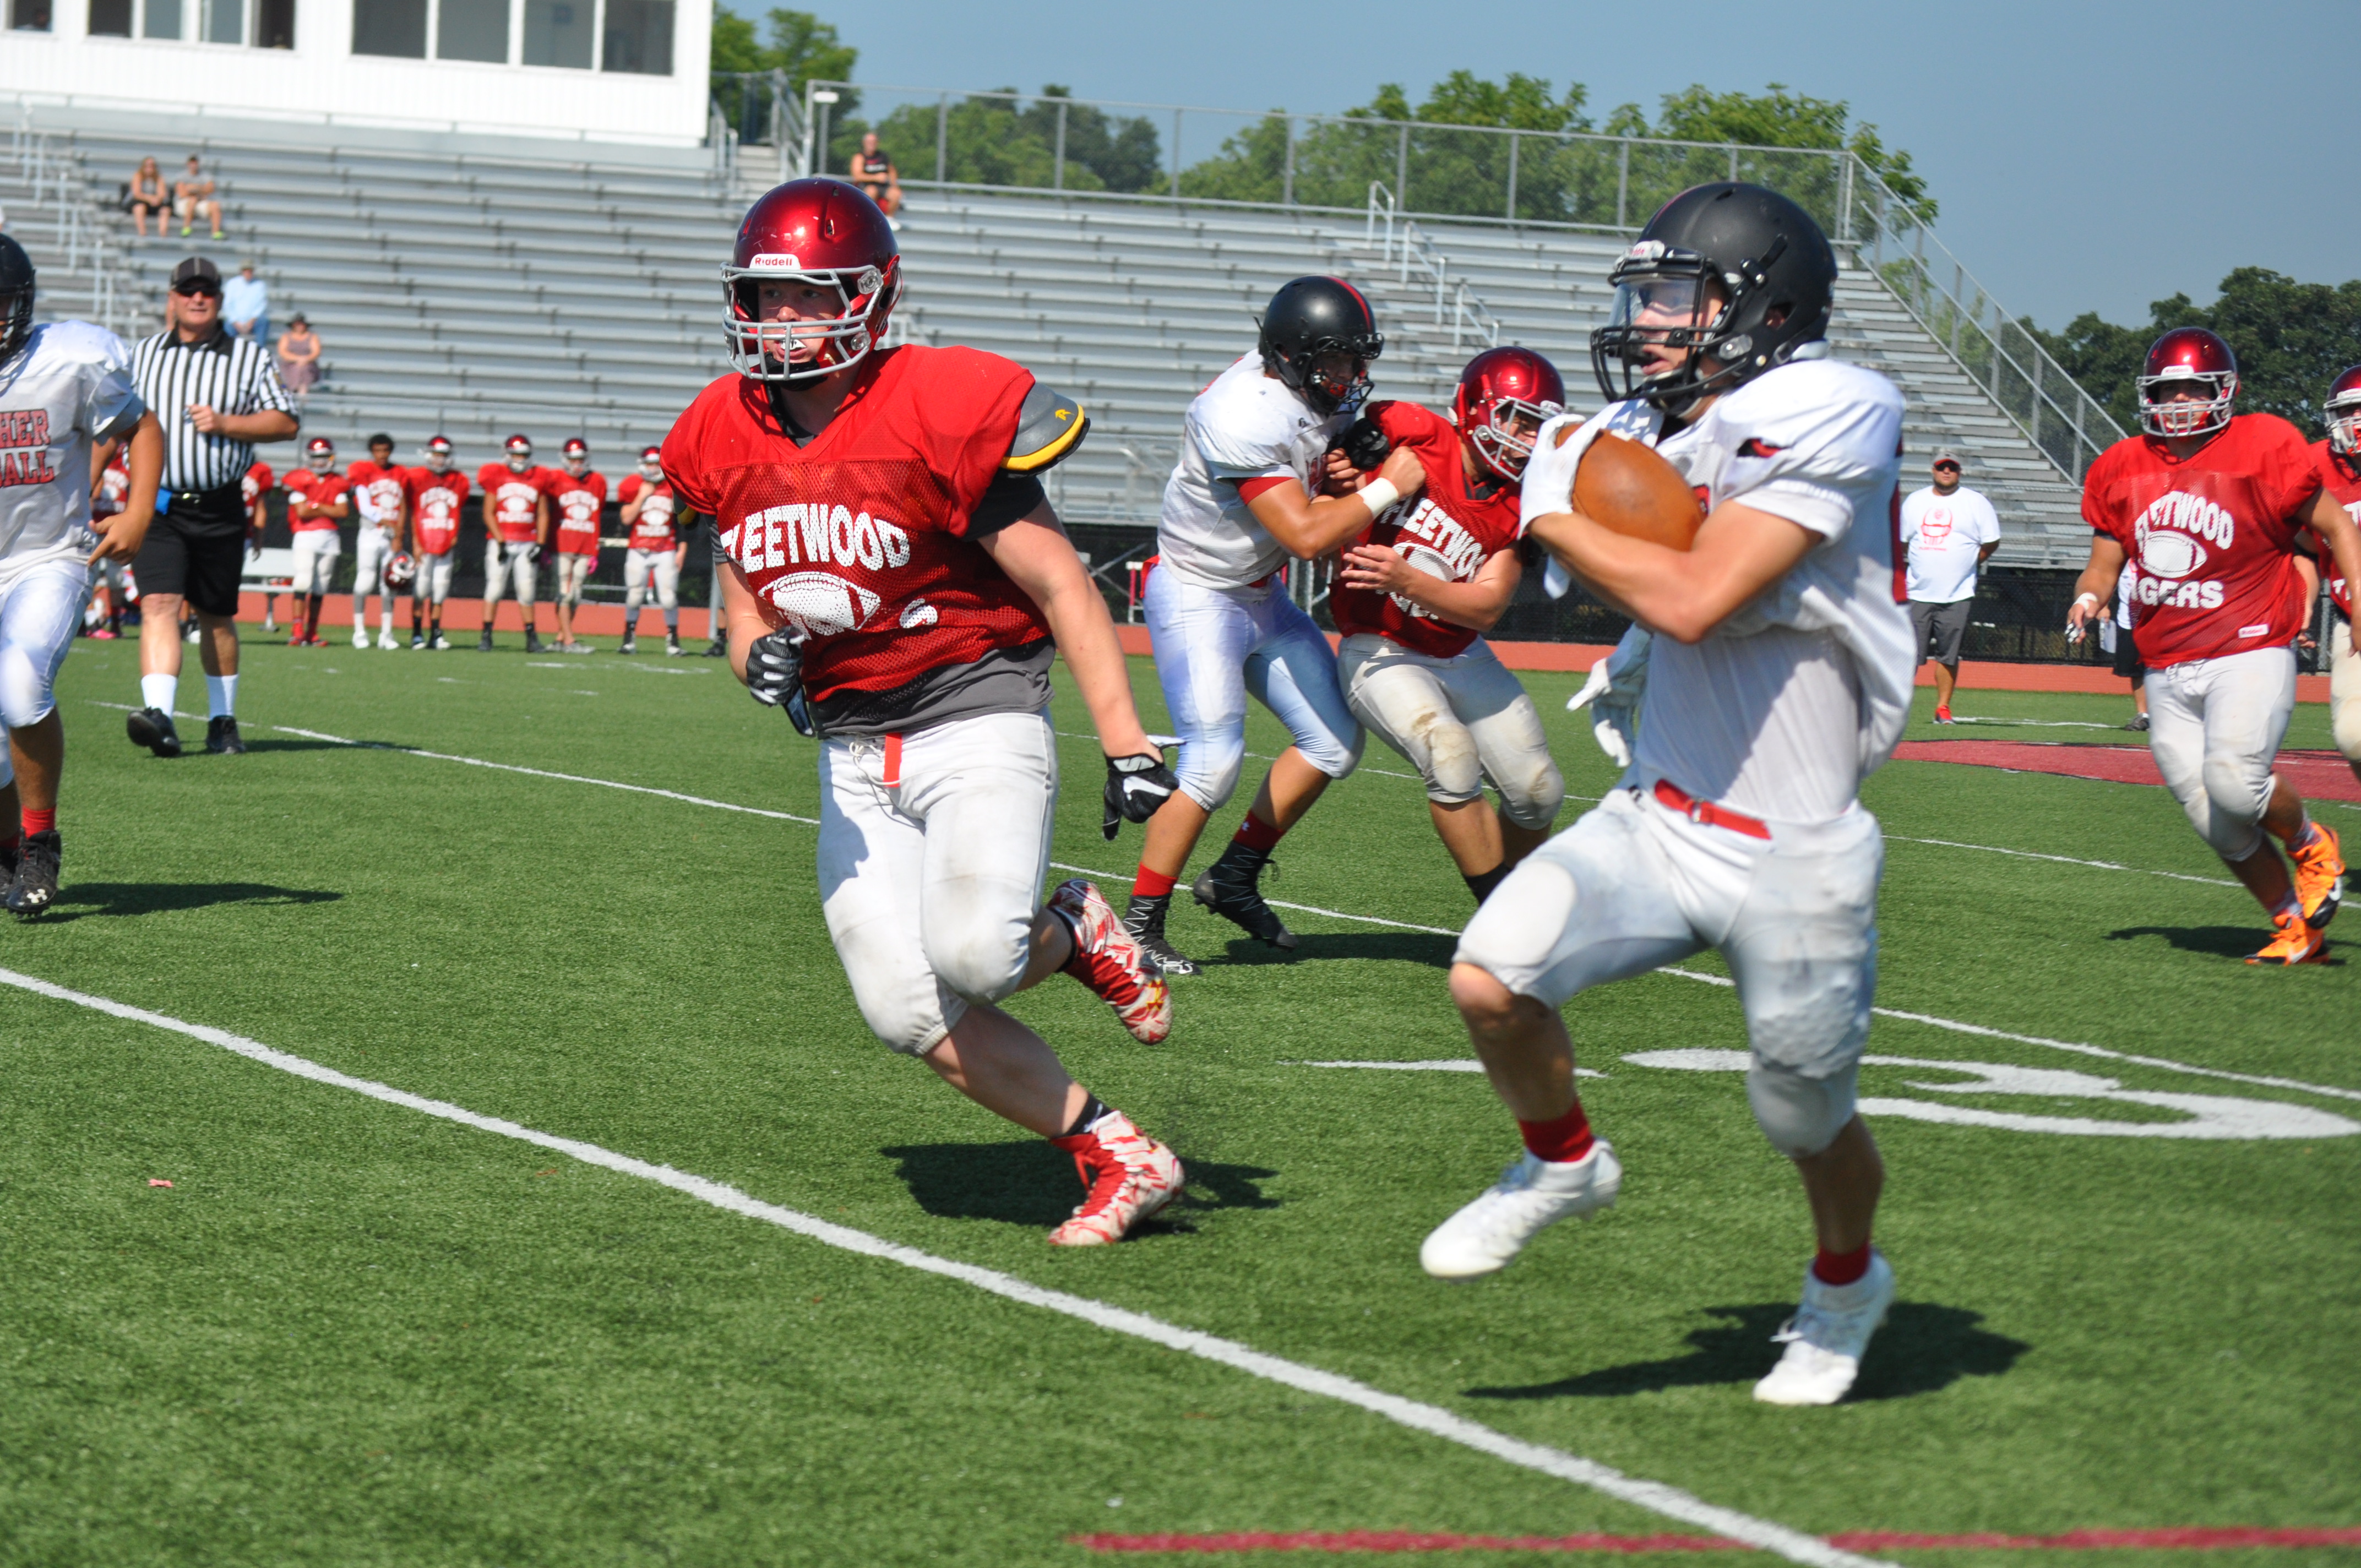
[318,500]
[1243,500]
[879,508]
[516,527]
[65,388]
[655,551]
[2338,460]
[1414,594]
[2210,507]
[376,490]
[436,495]
[1782,672]
[580,496]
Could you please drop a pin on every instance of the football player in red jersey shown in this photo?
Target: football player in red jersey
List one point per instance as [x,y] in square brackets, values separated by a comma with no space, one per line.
[516,527]
[319,499]
[653,552]
[1433,571]
[255,487]
[2338,459]
[879,509]
[2209,505]
[109,460]
[375,483]
[580,496]
[436,495]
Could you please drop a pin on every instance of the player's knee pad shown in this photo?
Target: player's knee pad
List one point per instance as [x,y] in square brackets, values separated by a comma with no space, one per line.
[2344,727]
[24,696]
[979,963]
[1452,770]
[1800,1116]
[907,1025]
[1531,799]
[1336,752]
[2233,805]
[1209,768]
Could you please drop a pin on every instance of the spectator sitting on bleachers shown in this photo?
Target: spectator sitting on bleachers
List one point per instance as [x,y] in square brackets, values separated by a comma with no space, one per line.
[148,195]
[193,197]
[874,171]
[245,304]
[298,358]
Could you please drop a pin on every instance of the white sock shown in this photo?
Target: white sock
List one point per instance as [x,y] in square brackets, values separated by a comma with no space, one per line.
[221,696]
[157,691]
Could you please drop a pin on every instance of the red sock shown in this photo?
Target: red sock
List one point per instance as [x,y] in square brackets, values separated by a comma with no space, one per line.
[1151,883]
[1257,834]
[1840,1268]
[1561,1141]
[39,821]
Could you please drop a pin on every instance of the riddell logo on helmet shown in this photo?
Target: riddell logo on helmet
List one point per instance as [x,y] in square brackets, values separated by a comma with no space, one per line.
[774,261]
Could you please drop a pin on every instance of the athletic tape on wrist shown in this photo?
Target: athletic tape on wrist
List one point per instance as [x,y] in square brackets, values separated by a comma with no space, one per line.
[1377,494]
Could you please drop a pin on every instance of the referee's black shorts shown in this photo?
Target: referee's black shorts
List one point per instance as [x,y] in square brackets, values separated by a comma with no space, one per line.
[197,549]
[2127,656]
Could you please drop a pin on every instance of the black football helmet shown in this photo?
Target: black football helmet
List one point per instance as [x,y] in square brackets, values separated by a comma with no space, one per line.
[1732,279]
[16,298]
[1318,336]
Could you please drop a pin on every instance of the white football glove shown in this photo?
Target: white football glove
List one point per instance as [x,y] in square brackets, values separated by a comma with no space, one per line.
[1548,484]
[1617,683]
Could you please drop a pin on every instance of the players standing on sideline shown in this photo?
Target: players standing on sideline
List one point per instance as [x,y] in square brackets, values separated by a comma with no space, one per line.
[516,527]
[375,484]
[918,621]
[1414,592]
[656,550]
[436,494]
[580,497]
[64,389]
[1781,674]
[2210,506]
[1950,531]
[2338,459]
[319,501]
[1243,500]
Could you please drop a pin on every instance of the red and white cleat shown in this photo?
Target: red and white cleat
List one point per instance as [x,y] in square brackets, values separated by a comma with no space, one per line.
[1130,1175]
[1109,960]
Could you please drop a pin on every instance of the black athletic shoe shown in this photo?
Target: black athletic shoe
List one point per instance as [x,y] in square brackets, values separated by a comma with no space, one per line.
[718,650]
[484,644]
[1145,921]
[221,738]
[152,727]
[2139,722]
[532,642]
[35,885]
[628,645]
[1228,889]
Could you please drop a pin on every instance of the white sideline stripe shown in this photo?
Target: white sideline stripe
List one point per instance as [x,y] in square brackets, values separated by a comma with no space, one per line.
[2065,859]
[1655,1497]
[1955,1026]
[1257,756]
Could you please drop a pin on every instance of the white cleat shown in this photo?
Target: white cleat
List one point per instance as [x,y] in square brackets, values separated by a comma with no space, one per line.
[1828,1336]
[385,640]
[1532,1195]
[360,637]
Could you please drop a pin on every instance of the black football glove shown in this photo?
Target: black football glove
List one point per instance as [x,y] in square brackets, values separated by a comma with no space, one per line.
[1364,444]
[533,555]
[774,676]
[1136,787]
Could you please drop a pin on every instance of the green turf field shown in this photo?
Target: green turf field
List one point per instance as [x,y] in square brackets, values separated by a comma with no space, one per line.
[352,1333]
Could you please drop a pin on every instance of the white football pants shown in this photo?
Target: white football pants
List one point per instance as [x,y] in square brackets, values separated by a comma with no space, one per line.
[2214,727]
[573,571]
[507,570]
[2344,690]
[433,583]
[641,566]
[371,553]
[316,550]
[41,610]
[932,850]
[1216,647]
[1458,721]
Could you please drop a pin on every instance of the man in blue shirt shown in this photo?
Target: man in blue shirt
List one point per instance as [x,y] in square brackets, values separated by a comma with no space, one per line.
[245,304]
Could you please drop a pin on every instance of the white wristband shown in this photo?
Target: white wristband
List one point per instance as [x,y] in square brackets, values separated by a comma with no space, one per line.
[1377,494]
[2096,599]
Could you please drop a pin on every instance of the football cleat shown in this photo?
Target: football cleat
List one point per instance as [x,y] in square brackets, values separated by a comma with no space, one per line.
[1943,716]
[417,640]
[385,640]
[360,636]
[8,865]
[441,644]
[1826,1337]
[2320,876]
[484,644]
[152,727]
[2138,724]
[532,642]
[718,649]
[1144,920]
[1229,889]
[2298,942]
[1532,1195]
[34,887]
[673,649]
[1130,1175]
[221,738]
[628,645]
[1108,960]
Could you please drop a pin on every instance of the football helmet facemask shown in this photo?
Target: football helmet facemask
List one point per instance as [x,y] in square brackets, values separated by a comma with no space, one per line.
[1505,396]
[438,454]
[1318,337]
[519,453]
[577,456]
[2343,412]
[319,455]
[2187,357]
[652,463]
[828,246]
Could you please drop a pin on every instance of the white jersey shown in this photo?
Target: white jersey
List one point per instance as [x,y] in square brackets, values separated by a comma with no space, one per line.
[1784,707]
[1245,426]
[70,387]
[1946,536]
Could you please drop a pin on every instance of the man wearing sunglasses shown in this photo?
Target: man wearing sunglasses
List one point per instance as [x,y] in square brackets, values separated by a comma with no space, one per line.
[1951,530]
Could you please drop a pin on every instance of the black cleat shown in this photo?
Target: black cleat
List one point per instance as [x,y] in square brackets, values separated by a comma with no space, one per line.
[221,738]
[1144,920]
[7,868]
[1228,889]
[484,644]
[532,642]
[628,645]
[672,645]
[35,885]
[718,650]
[152,727]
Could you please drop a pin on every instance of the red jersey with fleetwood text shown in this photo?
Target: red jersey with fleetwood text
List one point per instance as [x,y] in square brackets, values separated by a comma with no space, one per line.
[860,538]
[436,500]
[2213,535]
[1445,528]
[377,494]
[255,485]
[577,503]
[2342,483]
[516,500]
[658,526]
[320,489]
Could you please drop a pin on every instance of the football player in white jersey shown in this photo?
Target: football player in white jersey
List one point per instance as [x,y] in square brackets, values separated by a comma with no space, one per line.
[1780,675]
[64,388]
[377,497]
[1243,500]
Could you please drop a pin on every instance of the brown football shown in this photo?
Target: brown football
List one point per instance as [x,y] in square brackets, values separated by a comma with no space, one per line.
[1628,489]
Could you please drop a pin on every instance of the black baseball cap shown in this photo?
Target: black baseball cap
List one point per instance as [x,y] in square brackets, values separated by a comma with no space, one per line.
[194,274]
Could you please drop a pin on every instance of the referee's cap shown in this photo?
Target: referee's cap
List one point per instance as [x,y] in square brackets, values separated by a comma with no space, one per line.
[196,272]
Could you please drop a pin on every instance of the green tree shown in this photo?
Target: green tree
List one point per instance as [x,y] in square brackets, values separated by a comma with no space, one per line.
[2291,340]
[801,46]
[998,139]
[1775,117]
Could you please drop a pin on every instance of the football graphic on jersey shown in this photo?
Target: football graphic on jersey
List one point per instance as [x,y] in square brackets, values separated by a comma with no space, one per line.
[820,604]
[2166,553]
[1427,560]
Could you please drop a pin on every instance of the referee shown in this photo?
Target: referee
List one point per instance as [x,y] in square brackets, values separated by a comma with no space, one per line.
[215,395]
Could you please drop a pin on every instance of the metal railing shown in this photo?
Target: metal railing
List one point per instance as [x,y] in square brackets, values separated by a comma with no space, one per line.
[762,108]
[60,191]
[1389,232]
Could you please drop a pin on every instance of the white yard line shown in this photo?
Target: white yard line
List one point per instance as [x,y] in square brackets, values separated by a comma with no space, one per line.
[2065,859]
[1655,1497]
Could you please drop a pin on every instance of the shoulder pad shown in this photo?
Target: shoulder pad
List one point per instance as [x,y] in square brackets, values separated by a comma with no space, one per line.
[1049,426]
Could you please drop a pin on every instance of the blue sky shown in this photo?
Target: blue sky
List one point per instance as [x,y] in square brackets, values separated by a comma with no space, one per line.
[2087,156]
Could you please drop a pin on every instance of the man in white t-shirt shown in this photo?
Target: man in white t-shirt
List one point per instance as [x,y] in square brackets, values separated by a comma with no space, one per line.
[1950,531]
[1780,677]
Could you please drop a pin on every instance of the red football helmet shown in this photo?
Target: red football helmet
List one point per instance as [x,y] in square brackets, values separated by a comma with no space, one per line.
[577,456]
[1499,387]
[820,231]
[519,452]
[2343,412]
[2188,354]
[438,454]
[319,455]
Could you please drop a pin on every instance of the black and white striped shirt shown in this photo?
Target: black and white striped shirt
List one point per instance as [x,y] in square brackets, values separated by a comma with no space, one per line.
[229,375]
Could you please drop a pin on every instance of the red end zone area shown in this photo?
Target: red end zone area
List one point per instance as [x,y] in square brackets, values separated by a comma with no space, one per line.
[2316,776]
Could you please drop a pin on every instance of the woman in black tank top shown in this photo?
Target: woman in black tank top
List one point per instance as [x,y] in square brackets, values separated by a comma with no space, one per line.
[874,171]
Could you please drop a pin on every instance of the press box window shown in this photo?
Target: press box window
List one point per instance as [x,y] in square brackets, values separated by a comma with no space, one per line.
[397,27]
[559,32]
[110,18]
[639,36]
[28,15]
[472,30]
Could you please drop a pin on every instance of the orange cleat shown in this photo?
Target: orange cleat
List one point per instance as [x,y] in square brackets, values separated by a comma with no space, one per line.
[2319,876]
[1130,1177]
[2298,942]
